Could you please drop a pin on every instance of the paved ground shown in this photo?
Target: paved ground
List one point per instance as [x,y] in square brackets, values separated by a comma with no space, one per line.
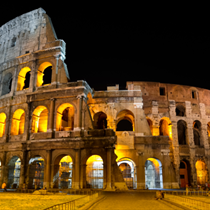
[132,201]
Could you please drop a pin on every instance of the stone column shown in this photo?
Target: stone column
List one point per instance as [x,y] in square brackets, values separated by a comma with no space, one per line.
[190,135]
[23,169]
[3,168]
[8,123]
[78,123]
[51,120]
[166,169]
[48,175]
[141,171]
[77,169]
[109,169]
[28,121]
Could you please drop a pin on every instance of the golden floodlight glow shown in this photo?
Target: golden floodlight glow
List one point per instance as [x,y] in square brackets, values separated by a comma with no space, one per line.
[66,159]
[22,77]
[18,122]
[202,177]
[2,123]
[94,158]
[39,119]
[154,161]
[40,73]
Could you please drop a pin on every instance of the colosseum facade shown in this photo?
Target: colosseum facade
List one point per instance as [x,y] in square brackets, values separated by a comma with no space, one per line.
[55,133]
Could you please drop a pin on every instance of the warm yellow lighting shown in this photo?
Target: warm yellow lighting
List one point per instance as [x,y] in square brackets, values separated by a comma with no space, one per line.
[39,120]
[2,123]
[65,110]
[40,73]
[18,122]
[22,77]
[94,158]
[202,177]
[66,159]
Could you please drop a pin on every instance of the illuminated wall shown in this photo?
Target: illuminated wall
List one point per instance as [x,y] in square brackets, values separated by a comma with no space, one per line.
[39,120]
[2,123]
[18,122]
[40,73]
[202,173]
[22,78]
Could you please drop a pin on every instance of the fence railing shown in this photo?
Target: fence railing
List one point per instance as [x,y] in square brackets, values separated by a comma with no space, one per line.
[185,192]
[73,204]
[175,197]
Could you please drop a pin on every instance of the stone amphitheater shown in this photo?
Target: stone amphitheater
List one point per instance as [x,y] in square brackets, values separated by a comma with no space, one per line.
[59,134]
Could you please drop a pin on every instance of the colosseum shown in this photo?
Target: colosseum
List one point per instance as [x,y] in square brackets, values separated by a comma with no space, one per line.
[57,134]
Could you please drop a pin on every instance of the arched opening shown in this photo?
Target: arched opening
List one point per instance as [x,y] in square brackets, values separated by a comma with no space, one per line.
[39,120]
[63,171]
[36,173]
[65,117]
[153,173]
[197,132]
[150,125]
[182,130]
[184,171]
[23,79]
[44,74]
[2,123]
[7,84]
[163,128]
[94,172]
[14,167]
[208,129]
[128,170]
[18,122]
[180,110]
[125,121]
[202,173]
[100,120]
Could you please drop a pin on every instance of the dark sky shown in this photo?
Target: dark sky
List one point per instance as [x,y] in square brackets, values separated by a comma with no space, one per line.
[112,46]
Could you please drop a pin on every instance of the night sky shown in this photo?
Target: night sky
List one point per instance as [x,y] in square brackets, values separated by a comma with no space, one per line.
[111,46]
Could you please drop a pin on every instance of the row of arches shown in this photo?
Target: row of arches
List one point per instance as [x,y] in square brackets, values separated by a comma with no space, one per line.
[44,75]
[63,172]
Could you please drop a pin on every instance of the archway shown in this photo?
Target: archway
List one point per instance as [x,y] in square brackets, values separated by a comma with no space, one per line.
[124,125]
[202,173]
[208,129]
[150,123]
[94,172]
[184,171]
[125,121]
[14,166]
[36,173]
[44,74]
[153,173]
[197,132]
[2,123]
[63,172]
[182,130]
[128,170]
[18,122]
[180,110]
[100,120]
[65,117]
[7,84]
[39,120]
[23,78]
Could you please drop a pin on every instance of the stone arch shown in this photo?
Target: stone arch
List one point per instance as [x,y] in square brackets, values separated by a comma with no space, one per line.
[42,74]
[18,122]
[126,119]
[100,120]
[153,173]
[180,110]
[39,120]
[65,117]
[202,172]
[182,132]
[185,173]
[197,132]
[208,129]
[7,84]
[23,78]
[150,123]
[2,123]
[165,127]
[128,169]
[178,91]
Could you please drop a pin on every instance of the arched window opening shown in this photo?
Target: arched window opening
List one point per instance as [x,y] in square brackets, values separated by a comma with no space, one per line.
[13,43]
[124,125]
[2,124]
[150,125]
[128,170]
[18,122]
[14,167]
[196,132]
[202,173]
[23,79]
[182,129]
[100,120]
[65,117]
[7,84]
[44,74]
[163,129]
[153,173]
[184,171]
[39,120]
[94,172]
[36,173]
[180,110]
